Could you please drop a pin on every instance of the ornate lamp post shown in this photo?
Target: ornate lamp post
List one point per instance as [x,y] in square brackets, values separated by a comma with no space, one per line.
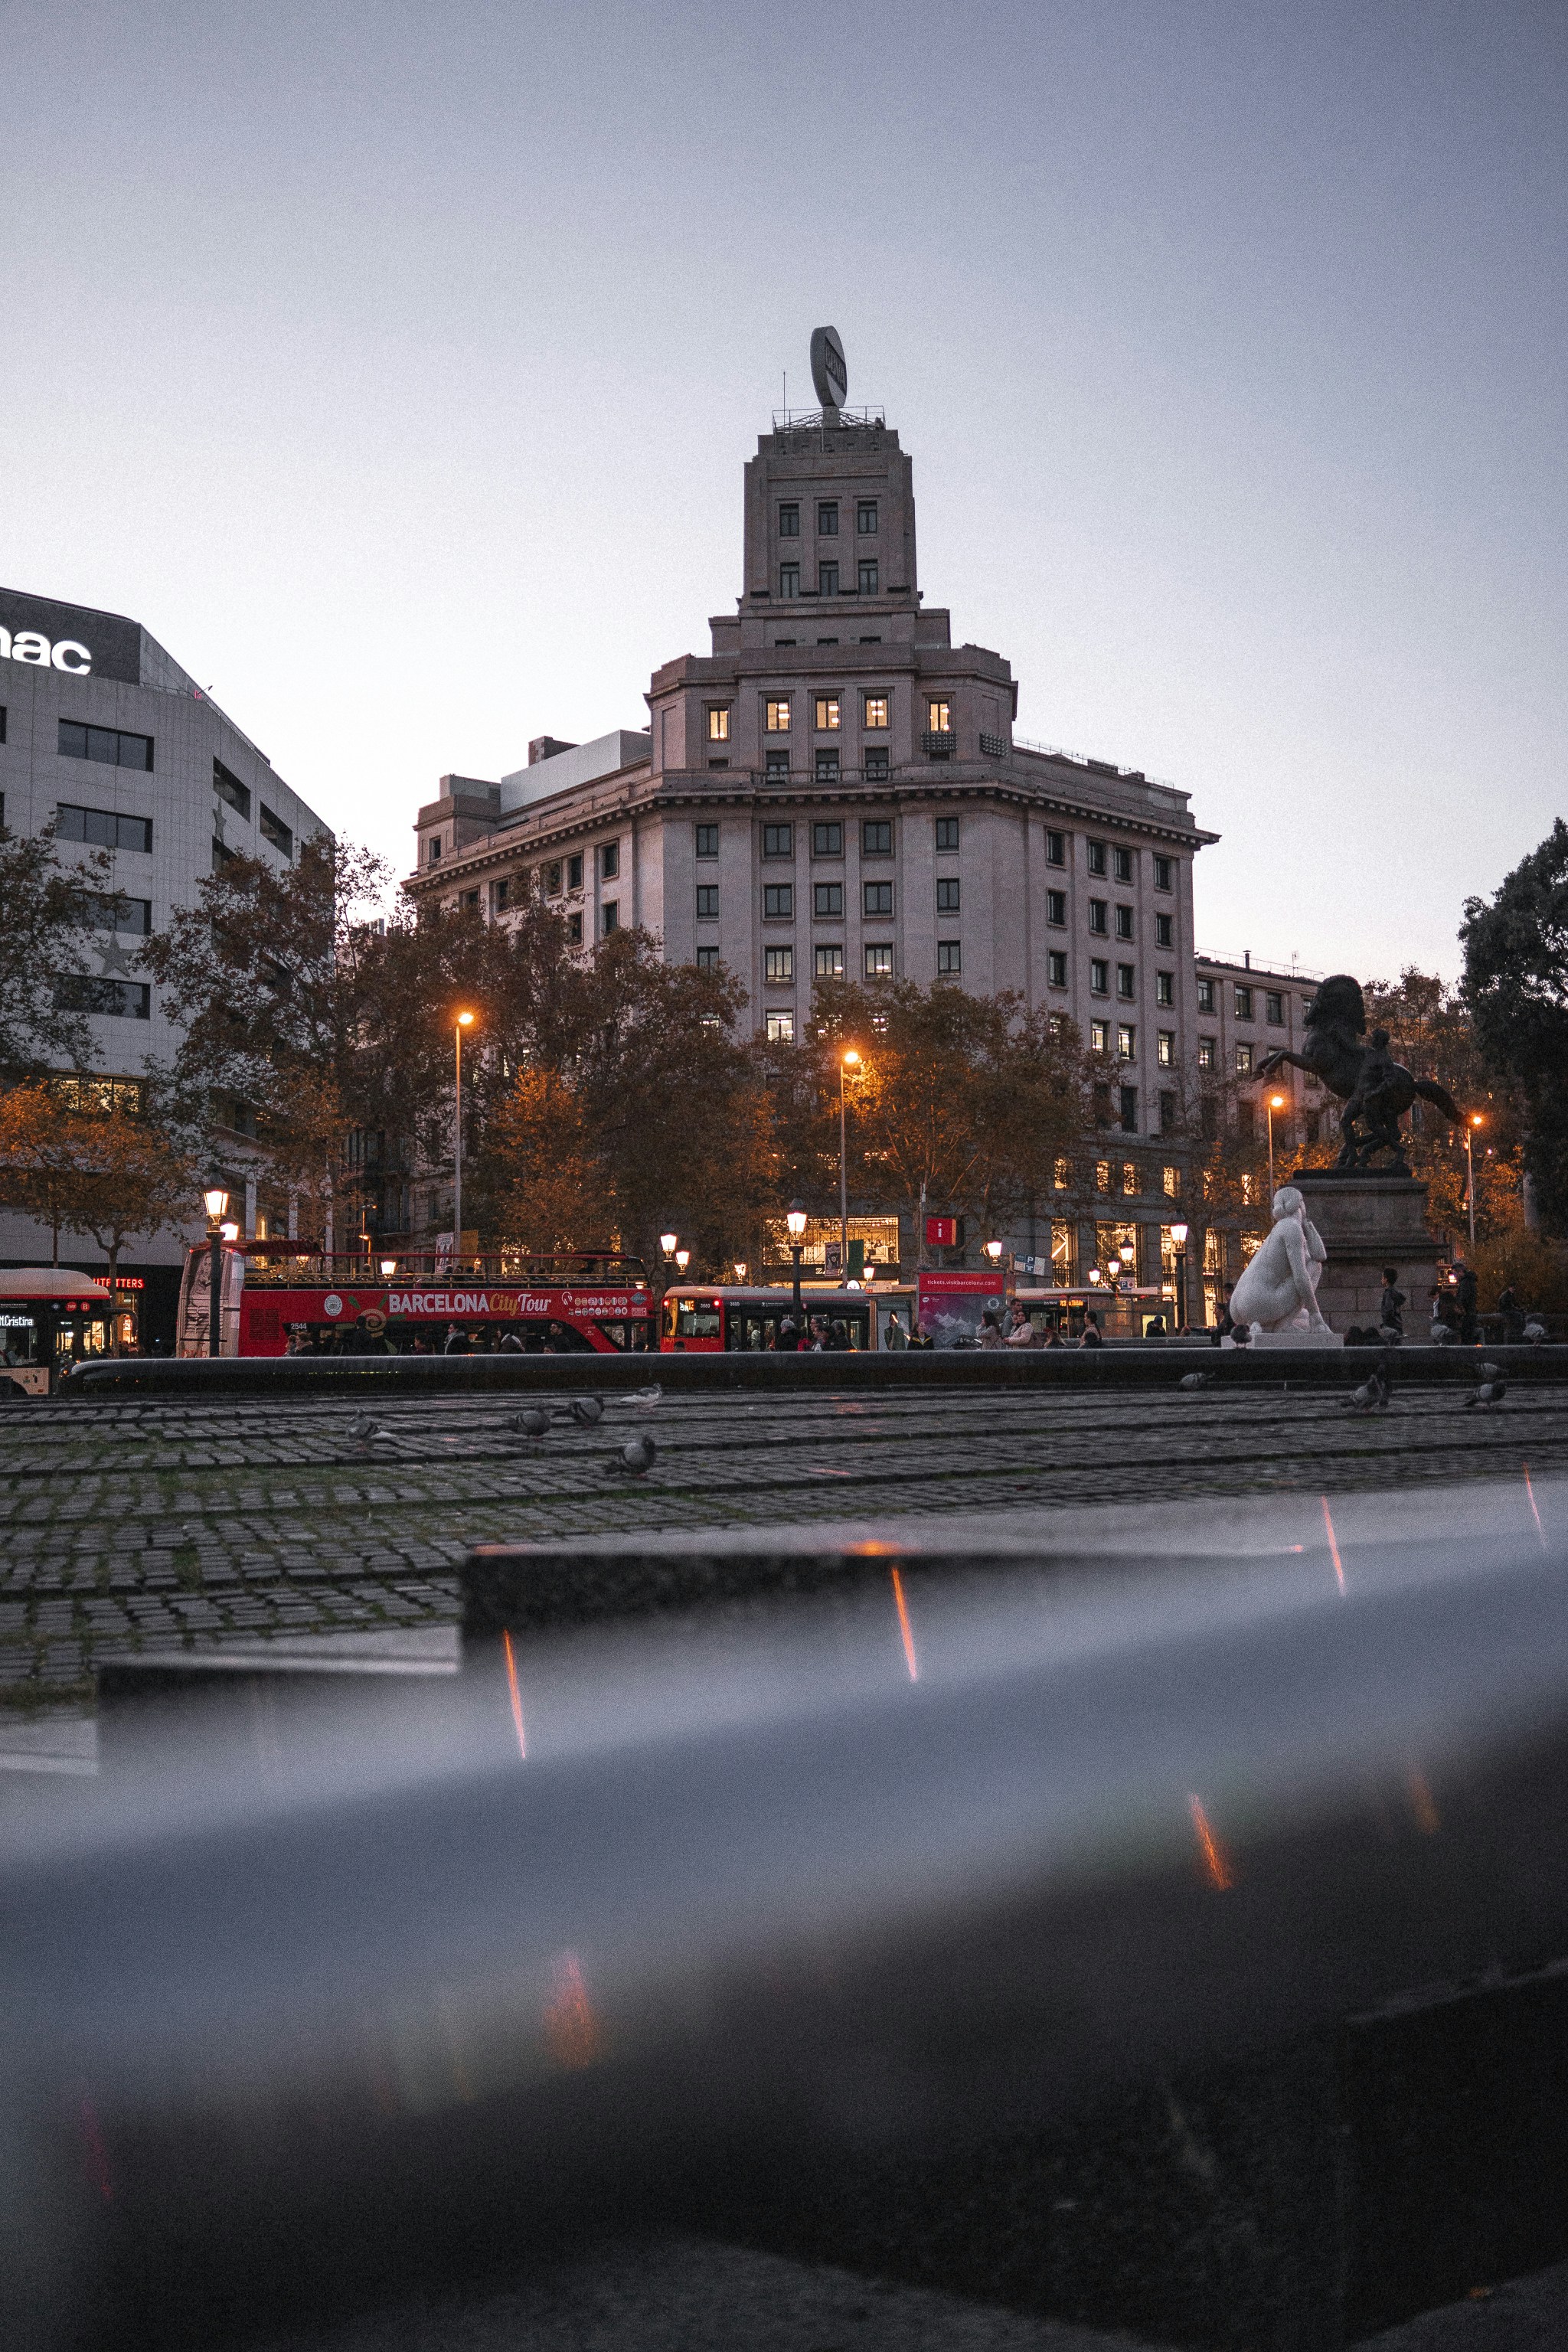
[464,1021]
[682,1259]
[993,1252]
[794,1218]
[849,1060]
[214,1199]
[1179,1243]
[1470,1126]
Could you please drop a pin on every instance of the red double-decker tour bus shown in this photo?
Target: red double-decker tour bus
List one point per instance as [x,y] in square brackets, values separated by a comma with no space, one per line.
[275,1301]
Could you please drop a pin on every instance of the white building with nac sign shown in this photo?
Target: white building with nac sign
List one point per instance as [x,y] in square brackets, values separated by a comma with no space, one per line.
[103,732]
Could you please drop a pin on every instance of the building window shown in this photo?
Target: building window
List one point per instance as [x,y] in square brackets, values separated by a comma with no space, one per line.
[826,714]
[718,722]
[1057,907]
[1167,1114]
[778,900]
[876,710]
[610,917]
[779,1028]
[274,830]
[949,957]
[1129,1110]
[117,999]
[878,897]
[777,763]
[1164,931]
[1247,1130]
[778,841]
[1125,922]
[1055,849]
[552,878]
[830,963]
[465,897]
[875,764]
[1171,1183]
[1244,1061]
[1165,1053]
[1273,1008]
[868,580]
[789,521]
[107,744]
[433,850]
[102,827]
[1164,988]
[827,901]
[1095,852]
[1061,1176]
[1132,1182]
[865,517]
[707,840]
[108,911]
[827,840]
[707,958]
[1243,1002]
[1099,1036]
[1099,976]
[1056,969]
[778,964]
[1205,1053]
[610,861]
[575,872]
[879,963]
[777,718]
[827,518]
[939,716]
[947,833]
[789,581]
[1126,1042]
[1122,864]
[828,580]
[1126,980]
[575,929]
[1206,996]
[828,763]
[1162,874]
[947,902]
[707,902]
[1102,1175]
[227,787]
[1098,916]
[877,837]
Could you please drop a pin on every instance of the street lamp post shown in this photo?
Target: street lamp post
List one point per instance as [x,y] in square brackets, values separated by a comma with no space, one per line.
[464,1021]
[214,1199]
[1179,1243]
[1275,1102]
[794,1218]
[1470,1126]
[849,1060]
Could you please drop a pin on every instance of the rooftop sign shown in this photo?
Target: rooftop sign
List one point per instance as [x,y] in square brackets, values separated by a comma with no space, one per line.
[71,638]
[829,369]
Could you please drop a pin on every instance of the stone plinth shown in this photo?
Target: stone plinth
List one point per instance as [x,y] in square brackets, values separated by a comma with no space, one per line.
[1367,1222]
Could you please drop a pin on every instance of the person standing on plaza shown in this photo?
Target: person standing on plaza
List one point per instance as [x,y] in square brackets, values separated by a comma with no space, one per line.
[1465,1301]
[1391,1306]
[895,1337]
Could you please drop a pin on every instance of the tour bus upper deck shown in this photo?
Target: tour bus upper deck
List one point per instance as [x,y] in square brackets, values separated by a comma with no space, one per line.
[711,1316]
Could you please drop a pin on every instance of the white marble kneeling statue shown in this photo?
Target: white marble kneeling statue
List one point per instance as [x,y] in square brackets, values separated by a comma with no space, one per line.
[1278,1286]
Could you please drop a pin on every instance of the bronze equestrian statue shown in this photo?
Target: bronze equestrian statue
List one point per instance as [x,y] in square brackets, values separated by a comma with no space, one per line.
[1375,1089]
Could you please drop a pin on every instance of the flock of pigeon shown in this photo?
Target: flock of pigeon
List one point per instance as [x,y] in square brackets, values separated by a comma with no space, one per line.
[1372,1393]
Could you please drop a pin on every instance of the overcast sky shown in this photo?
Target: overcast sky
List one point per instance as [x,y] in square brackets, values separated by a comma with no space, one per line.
[395,365]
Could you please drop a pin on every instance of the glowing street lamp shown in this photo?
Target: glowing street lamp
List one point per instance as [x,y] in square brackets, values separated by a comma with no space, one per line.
[388,1268]
[993,1252]
[1179,1244]
[463,1021]
[666,1243]
[214,1199]
[794,1218]
[740,1265]
[683,1259]
[1275,1102]
[1472,1124]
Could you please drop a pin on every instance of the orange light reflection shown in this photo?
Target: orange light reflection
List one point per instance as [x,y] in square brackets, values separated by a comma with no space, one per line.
[1215,1861]
[1334,1545]
[909,1659]
[1534,1514]
[516,1694]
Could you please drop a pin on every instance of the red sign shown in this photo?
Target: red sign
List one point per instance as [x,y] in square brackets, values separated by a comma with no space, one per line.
[942,1232]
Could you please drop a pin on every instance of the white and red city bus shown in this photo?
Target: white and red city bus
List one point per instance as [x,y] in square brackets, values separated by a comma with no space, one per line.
[276,1301]
[709,1317]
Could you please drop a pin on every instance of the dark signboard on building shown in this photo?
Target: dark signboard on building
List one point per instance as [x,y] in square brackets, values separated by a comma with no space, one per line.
[71,638]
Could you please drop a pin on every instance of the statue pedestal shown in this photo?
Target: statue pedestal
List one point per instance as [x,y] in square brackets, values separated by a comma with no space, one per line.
[1367,1222]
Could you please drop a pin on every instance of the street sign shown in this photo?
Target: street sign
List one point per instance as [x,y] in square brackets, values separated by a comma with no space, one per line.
[944,1232]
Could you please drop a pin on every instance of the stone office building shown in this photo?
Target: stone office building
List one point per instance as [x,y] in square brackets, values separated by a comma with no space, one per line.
[103,732]
[836,790]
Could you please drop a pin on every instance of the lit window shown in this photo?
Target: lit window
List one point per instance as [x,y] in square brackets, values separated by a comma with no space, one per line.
[1099,1036]
[1098,916]
[1126,980]
[1206,1053]
[1062,1176]
[777,718]
[827,518]
[939,716]
[826,713]
[778,841]
[827,901]
[1164,931]
[879,963]
[827,840]
[1102,1175]
[1166,1052]
[1164,988]
[1130,1183]
[947,833]
[877,837]
[1206,996]
[829,963]
[789,522]
[778,964]
[1095,852]
[828,580]
[876,710]
[947,897]
[780,1028]
[706,901]
[707,840]
[949,957]
[1056,969]
[1121,862]
[1055,849]
[1171,1183]
[789,580]
[868,580]
[778,900]
[718,722]
[1244,1061]
[878,897]
[1126,1042]
[865,517]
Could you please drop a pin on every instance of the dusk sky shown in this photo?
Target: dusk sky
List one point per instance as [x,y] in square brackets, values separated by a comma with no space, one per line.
[396,365]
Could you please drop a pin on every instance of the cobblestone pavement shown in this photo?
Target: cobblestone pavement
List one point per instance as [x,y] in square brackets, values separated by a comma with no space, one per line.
[146,1526]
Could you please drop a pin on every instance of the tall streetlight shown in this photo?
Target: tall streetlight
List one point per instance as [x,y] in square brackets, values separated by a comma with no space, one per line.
[464,1021]
[1179,1244]
[794,1218]
[1470,1126]
[214,1199]
[1275,1102]
[849,1060]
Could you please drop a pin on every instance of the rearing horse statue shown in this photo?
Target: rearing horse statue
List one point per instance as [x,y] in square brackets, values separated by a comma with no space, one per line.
[1375,1089]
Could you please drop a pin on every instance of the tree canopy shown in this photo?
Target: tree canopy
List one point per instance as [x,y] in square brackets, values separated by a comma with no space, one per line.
[1515,988]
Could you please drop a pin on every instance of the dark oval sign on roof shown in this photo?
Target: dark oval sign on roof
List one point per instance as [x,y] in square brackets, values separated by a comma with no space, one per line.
[829,373]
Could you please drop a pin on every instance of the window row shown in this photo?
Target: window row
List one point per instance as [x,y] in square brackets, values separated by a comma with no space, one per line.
[1099,919]
[1244,1001]
[827,900]
[827,838]
[1126,1042]
[1110,858]
[829,580]
[120,1000]
[827,714]
[1245,1058]
[866,517]
[109,745]
[102,828]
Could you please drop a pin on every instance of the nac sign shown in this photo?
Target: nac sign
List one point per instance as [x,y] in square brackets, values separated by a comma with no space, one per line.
[68,654]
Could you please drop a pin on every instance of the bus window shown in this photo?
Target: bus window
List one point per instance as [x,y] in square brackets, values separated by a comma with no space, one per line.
[697,1319]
